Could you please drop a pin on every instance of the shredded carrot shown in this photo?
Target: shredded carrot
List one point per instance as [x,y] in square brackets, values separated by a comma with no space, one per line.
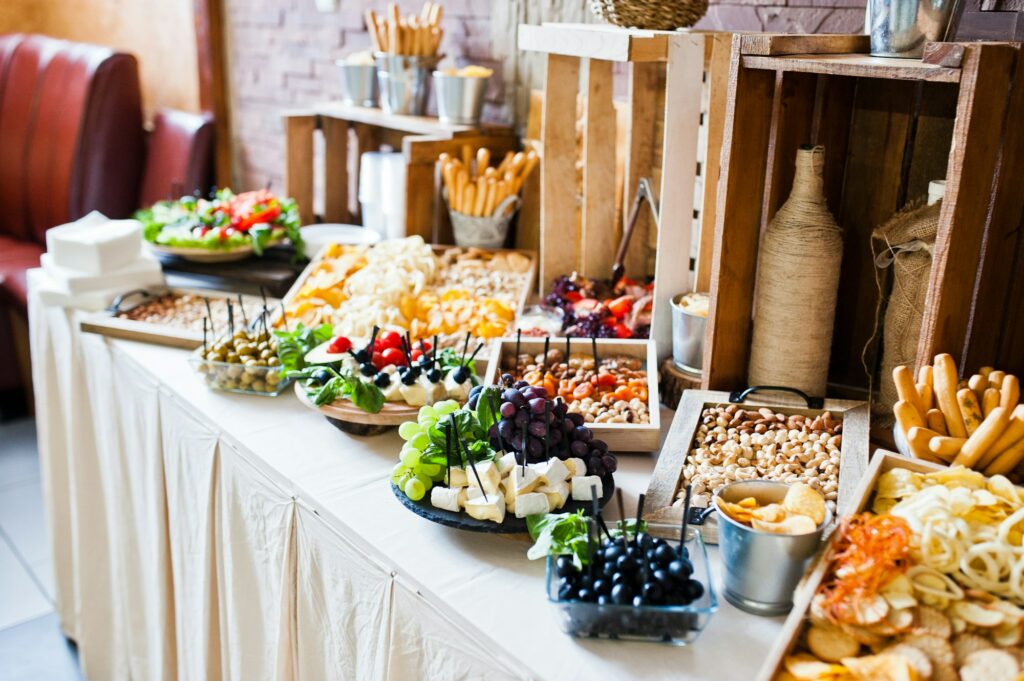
[869,552]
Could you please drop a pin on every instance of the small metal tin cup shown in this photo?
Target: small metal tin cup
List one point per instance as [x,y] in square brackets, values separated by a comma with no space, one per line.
[762,570]
[404,83]
[359,82]
[687,336]
[460,99]
[488,231]
[900,28]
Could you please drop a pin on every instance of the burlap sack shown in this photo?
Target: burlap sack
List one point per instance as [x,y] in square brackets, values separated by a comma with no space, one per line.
[904,243]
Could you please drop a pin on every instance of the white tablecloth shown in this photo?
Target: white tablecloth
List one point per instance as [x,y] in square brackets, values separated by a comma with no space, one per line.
[202,535]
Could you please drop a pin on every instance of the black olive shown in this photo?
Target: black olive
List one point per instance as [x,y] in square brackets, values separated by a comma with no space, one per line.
[680,569]
[652,591]
[361,356]
[461,375]
[321,376]
[664,554]
[507,380]
[694,590]
[564,566]
[602,586]
[409,378]
[367,369]
[566,592]
[603,600]
[382,380]
[435,376]
[585,594]
[621,594]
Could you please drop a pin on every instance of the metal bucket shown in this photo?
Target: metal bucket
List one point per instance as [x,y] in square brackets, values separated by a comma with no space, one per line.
[900,28]
[359,82]
[687,336]
[488,231]
[460,99]
[762,570]
[404,83]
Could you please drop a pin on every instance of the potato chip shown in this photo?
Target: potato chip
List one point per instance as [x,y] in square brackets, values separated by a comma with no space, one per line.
[772,513]
[738,513]
[897,483]
[958,476]
[804,666]
[748,502]
[882,667]
[794,524]
[804,501]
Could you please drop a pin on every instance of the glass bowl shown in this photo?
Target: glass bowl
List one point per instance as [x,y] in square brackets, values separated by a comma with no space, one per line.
[238,378]
[677,625]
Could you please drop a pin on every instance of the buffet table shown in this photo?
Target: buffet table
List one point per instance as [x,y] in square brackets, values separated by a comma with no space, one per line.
[203,535]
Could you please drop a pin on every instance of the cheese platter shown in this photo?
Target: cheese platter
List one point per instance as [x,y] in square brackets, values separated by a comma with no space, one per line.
[720,437]
[612,383]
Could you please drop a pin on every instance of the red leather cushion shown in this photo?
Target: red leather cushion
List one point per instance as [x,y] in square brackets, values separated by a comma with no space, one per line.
[71,137]
[179,157]
[16,258]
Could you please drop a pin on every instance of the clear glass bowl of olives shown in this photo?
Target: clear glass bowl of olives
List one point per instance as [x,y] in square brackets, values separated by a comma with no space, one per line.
[245,362]
[641,590]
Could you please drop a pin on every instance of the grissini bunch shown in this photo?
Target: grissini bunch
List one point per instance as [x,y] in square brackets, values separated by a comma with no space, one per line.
[411,35]
[475,188]
[978,423]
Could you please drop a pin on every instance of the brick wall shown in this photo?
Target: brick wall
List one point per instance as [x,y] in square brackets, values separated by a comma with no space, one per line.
[281,53]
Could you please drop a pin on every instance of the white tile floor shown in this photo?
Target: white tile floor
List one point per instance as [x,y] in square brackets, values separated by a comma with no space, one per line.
[31,644]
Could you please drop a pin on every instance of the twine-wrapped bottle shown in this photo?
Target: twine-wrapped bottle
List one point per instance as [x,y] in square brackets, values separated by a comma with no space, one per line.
[797,281]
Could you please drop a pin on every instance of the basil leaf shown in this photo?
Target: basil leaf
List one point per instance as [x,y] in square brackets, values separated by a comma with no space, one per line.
[487,407]
[329,391]
[366,396]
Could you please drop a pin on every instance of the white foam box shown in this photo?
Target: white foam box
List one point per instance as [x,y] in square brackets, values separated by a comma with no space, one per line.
[141,272]
[95,244]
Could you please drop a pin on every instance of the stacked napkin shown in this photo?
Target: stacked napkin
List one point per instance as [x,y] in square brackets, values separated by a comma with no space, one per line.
[92,260]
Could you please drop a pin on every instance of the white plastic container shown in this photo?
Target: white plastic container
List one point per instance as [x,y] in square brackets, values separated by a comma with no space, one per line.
[145,271]
[369,191]
[94,244]
[392,195]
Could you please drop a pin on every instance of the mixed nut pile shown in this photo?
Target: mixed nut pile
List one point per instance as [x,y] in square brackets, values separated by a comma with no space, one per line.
[733,444]
[183,310]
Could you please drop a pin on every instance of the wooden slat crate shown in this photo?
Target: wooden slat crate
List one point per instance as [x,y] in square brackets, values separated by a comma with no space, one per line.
[889,126]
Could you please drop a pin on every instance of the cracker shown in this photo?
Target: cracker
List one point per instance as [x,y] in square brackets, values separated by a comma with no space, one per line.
[928,620]
[989,665]
[917,659]
[937,649]
[831,644]
[966,643]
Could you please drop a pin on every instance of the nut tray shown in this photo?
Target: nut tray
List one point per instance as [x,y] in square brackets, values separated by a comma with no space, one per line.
[677,625]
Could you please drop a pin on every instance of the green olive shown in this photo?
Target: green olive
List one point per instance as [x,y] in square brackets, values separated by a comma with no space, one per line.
[274,361]
[245,379]
[259,386]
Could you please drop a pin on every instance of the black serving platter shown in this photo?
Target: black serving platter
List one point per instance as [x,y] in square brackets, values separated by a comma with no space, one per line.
[511,524]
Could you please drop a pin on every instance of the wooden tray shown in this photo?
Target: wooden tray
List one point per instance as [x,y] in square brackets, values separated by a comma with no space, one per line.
[438,250]
[511,524]
[665,483]
[392,414]
[620,437]
[106,323]
[882,462]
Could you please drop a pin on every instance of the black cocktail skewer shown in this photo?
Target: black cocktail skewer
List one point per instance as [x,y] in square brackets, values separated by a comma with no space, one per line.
[593,345]
[241,309]
[547,428]
[465,349]
[568,347]
[231,320]
[519,337]
[544,364]
[204,338]
[467,457]
[473,356]
[639,515]
[284,318]
[686,521]
[595,510]
[448,452]
[209,313]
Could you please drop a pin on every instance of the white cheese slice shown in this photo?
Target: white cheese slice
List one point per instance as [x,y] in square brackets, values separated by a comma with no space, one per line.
[576,466]
[446,498]
[414,395]
[486,509]
[389,369]
[532,503]
[506,463]
[520,483]
[552,471]
[488,475]
[557,494]
[393,393]
[435,391]
[457,477]
[581,485]
[457,391]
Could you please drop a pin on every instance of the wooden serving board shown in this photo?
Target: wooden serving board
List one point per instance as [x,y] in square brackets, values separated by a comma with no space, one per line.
[204,255]
[666,481]
[106,323]
[511,524]
[391,414]
[620,437]
[859,499]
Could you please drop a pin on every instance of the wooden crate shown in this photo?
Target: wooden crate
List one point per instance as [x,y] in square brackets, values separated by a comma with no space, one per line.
[888,127]
[665,484]
[620,437]
[420,138]
[589,246]
[882,462]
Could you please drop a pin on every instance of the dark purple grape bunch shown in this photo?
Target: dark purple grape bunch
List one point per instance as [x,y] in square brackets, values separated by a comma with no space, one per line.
[645,570]
[529,417]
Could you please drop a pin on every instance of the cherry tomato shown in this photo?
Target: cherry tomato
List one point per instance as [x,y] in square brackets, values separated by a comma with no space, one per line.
[389,339]
[621,306]
[377,359]
[424,346]
[340,344]
[393,356]
[416,354]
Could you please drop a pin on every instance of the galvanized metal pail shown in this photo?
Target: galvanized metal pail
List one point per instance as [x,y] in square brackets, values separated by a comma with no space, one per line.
[360,83]
[900,28]
[404,83]
[687,336]
[460,99]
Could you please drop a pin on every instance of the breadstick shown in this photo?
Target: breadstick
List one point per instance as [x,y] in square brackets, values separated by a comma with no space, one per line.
[983,438]
[918,440]
[906,390]
[924,391]
[995,379]
[990,400]
[505,163]
[1013,433]
[481,196]
[978,384]
[467,157]
[425,13]
[469,199]
[985,371]
[414,44]
[924,375]
[934,420]
[371,27]
[461,182]
[1009,392]
[946,448]
[489,201]
[907,416]
[1008,460]
[944,379]
[483,160]
[970,409]
[435,14]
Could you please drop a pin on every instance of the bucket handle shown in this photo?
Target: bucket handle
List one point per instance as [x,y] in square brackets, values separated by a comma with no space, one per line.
[508,206]
[699,516]
[738,396]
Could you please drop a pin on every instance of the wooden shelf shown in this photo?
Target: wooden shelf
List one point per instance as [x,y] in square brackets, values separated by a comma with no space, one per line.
[588,41]
[412,125]
[857,65]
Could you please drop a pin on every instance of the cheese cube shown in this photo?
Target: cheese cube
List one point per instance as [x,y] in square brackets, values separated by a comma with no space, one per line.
[576,466]
[435,391]
[457,391]
[488,475]
[506,463]
[470,493]
[415,395]
[519,482]
[486,509]
[446,498]
[581,485]
[552,471]
[531,503]
[457,477]
[557,494]
[393,393]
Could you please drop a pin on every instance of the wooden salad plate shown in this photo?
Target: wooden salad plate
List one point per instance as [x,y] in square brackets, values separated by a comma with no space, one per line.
[350,419]
[209,255]
[511,524]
